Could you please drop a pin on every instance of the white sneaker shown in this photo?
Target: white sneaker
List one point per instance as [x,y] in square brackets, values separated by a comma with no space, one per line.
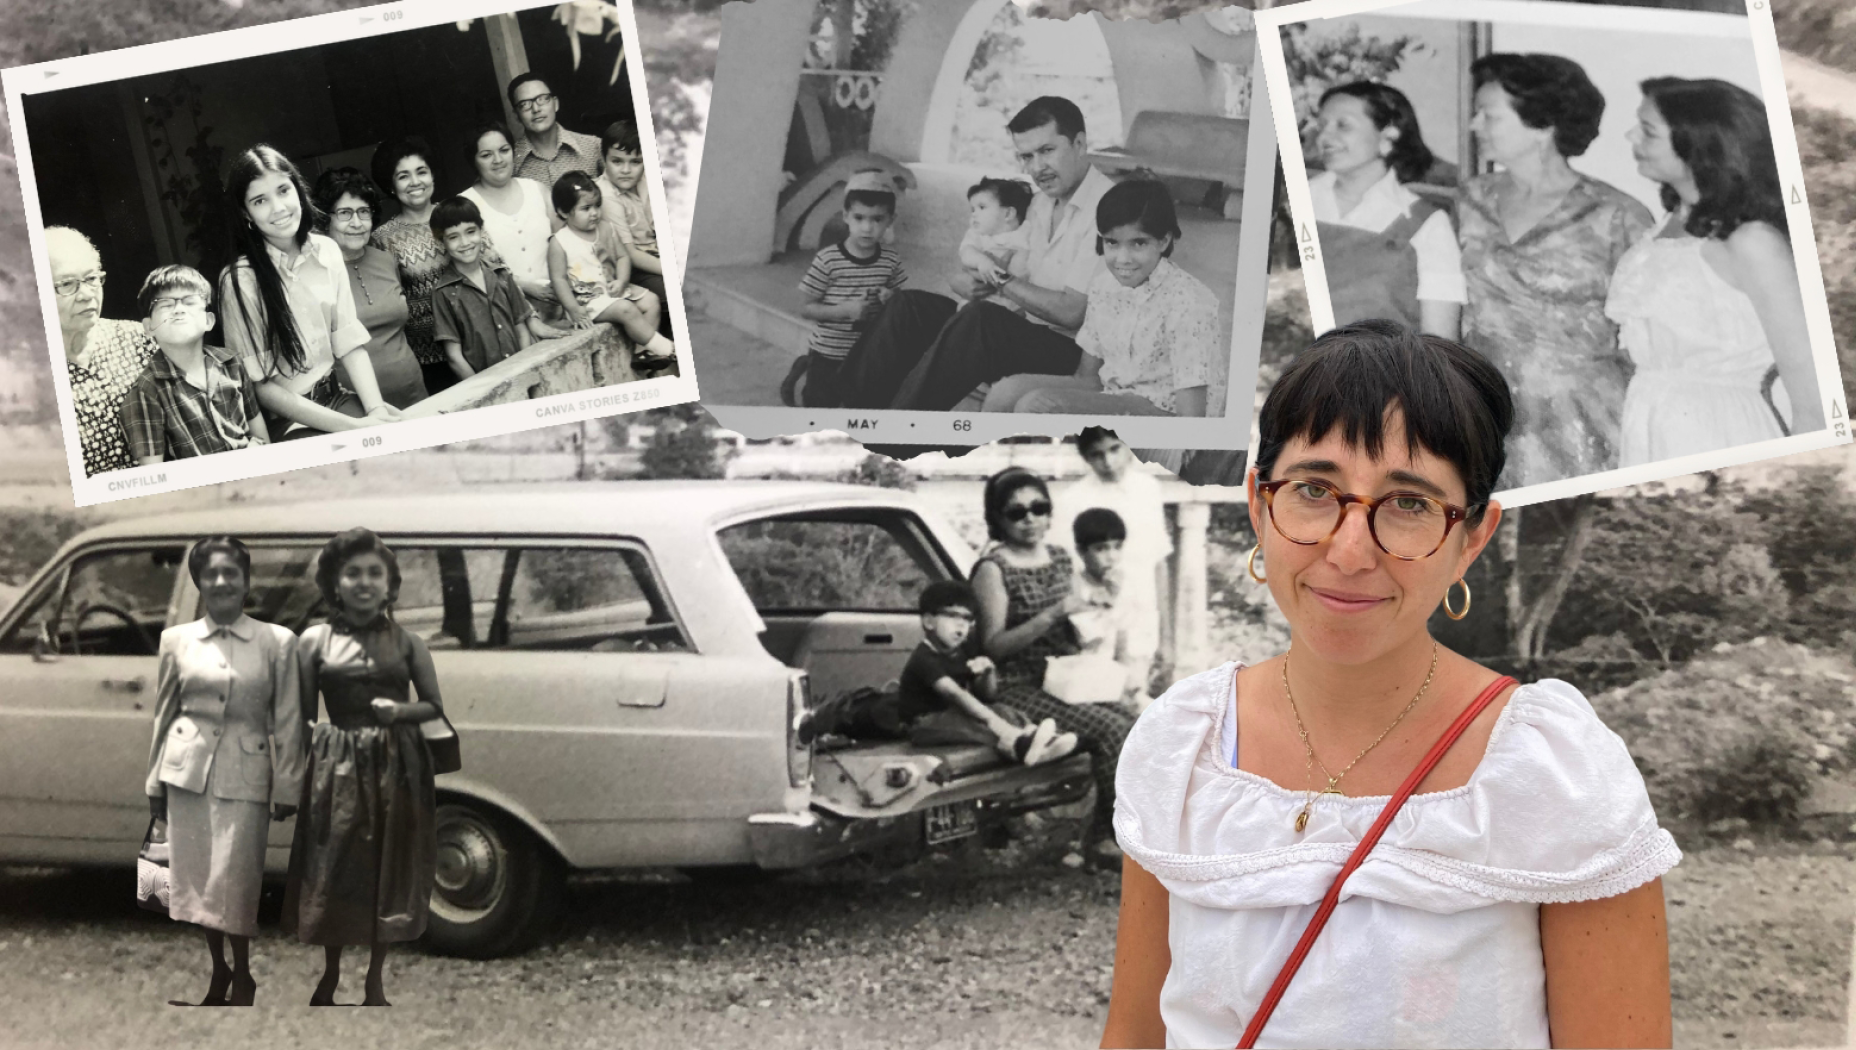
[1049,745]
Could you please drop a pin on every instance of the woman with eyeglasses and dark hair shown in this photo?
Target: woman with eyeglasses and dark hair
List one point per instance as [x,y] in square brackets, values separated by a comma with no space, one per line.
[1389,252]
[1279,889]
[104,357]
[286,308]
[1708,304]
[1026,599]
[226,760]
[1540,242]
[350,203]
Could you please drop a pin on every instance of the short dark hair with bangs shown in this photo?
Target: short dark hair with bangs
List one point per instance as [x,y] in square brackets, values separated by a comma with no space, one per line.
[1455,403]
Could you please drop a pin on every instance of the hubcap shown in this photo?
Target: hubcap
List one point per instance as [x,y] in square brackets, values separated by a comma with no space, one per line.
[473,867]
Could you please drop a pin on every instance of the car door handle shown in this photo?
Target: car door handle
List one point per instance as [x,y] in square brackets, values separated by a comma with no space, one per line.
[125,685]
[879,639]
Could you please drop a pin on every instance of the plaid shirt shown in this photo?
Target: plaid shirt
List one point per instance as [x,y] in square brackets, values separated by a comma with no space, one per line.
[576,152]
[165,415]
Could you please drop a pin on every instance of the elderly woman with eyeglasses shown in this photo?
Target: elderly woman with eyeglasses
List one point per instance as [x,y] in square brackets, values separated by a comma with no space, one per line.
[1294,813]
[104,357]
[352,202]
[1024,585]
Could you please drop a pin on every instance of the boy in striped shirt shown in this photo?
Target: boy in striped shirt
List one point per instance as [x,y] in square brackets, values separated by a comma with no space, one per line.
[846,287]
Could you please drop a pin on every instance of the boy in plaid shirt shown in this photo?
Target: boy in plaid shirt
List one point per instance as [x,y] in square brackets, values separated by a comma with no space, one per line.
[192,399]
[846,287]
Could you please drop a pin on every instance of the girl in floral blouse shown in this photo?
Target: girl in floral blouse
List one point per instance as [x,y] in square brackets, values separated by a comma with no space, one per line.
[1151,329]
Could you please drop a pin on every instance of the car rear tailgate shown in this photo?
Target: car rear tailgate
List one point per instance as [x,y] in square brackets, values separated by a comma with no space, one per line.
[883,780]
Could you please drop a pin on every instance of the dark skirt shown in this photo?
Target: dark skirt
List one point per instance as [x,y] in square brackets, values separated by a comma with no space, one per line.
[366,847]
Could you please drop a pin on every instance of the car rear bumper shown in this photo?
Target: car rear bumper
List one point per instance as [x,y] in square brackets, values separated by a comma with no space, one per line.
[802,840]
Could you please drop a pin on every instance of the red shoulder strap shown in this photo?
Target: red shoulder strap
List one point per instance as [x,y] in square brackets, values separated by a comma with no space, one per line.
[1320,919]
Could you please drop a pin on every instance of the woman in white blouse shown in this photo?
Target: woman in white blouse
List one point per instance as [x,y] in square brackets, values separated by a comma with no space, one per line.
[1388,252]
[287,309]
[1516,898]
[516,216]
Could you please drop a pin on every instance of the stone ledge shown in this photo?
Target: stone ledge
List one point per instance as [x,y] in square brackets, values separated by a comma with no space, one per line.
[599,357]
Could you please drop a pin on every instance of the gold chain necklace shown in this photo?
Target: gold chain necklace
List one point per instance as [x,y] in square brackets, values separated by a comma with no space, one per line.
[1312,760]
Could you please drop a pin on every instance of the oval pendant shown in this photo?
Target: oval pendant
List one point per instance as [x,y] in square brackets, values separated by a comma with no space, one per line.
[1301,821]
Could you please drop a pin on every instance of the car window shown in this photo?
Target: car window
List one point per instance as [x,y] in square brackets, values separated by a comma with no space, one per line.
[816,564]
[111,603]
[447,594]
[604,599]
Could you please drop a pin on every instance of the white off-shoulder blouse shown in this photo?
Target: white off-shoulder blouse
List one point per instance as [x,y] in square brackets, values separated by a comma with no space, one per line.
[1436,941]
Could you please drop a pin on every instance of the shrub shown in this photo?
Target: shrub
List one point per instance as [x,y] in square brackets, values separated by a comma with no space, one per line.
[1743,731]
[32,536]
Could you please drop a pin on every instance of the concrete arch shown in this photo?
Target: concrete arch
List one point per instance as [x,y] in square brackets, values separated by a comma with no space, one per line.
[921,89]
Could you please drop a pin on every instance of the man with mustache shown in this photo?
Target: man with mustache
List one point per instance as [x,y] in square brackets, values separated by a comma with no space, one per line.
[927,352]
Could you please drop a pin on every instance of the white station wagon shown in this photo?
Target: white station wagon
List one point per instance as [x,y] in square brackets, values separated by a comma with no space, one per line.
[627,665]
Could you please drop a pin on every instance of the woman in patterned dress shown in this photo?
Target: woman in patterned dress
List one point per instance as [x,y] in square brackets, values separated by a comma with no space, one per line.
[1023,584]
[1540,242]
[403,168]
[104,357]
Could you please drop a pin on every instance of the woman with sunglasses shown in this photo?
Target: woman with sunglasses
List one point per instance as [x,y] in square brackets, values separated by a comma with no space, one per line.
[1515,898]
[1023,584]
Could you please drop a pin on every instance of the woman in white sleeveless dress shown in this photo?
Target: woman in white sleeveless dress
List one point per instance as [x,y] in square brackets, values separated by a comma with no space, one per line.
[1708,303]
[1516,898]
[516,216]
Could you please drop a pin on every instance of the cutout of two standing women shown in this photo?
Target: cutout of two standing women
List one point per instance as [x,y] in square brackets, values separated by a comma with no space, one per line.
[235,748]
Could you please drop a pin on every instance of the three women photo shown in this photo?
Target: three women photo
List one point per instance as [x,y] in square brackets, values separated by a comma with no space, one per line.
[1626,338]
[236,745]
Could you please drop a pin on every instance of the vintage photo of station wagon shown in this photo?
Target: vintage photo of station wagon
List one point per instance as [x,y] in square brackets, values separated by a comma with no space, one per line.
[627,665]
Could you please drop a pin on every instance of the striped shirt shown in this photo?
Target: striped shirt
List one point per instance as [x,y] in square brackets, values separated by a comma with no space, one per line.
[835,277]
[165,415]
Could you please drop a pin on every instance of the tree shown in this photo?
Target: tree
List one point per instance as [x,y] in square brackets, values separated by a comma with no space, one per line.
[1531,610]
[685,445]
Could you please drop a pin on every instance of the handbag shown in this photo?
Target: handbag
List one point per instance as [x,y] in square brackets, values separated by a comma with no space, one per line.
[1085,678]
[1328,902]
[441,739]
[151,868]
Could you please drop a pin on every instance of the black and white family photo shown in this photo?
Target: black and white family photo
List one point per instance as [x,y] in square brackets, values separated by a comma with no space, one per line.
[321,240]
[964,209]
[1596,205]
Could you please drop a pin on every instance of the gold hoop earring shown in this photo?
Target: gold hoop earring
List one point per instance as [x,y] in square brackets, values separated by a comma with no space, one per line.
[1252,563]
[1457,614]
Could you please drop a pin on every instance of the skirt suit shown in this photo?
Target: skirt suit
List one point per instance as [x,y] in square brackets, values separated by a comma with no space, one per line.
[228,743]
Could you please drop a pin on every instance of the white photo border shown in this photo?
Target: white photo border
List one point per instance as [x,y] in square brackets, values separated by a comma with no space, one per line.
[387,438]
[1758,24]
[951,429]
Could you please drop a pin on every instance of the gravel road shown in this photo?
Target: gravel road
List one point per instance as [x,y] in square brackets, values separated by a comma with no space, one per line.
[977,950]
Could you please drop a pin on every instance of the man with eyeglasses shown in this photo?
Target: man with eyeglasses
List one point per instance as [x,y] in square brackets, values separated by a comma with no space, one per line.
[104,358]
[545,151]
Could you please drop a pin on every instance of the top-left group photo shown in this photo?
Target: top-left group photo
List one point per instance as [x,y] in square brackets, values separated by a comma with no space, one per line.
[347,235]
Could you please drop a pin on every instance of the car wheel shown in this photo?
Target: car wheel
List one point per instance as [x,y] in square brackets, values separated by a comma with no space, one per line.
[496,887]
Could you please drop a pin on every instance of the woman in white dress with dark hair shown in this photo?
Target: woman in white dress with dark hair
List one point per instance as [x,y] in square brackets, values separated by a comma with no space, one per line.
[1515,898]
[1390,253]
[1708,303]
[516,216]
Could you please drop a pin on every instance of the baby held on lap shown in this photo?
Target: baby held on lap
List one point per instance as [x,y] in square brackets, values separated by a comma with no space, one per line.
[995,247]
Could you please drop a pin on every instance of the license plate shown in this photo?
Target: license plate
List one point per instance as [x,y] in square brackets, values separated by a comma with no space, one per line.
[951,822]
